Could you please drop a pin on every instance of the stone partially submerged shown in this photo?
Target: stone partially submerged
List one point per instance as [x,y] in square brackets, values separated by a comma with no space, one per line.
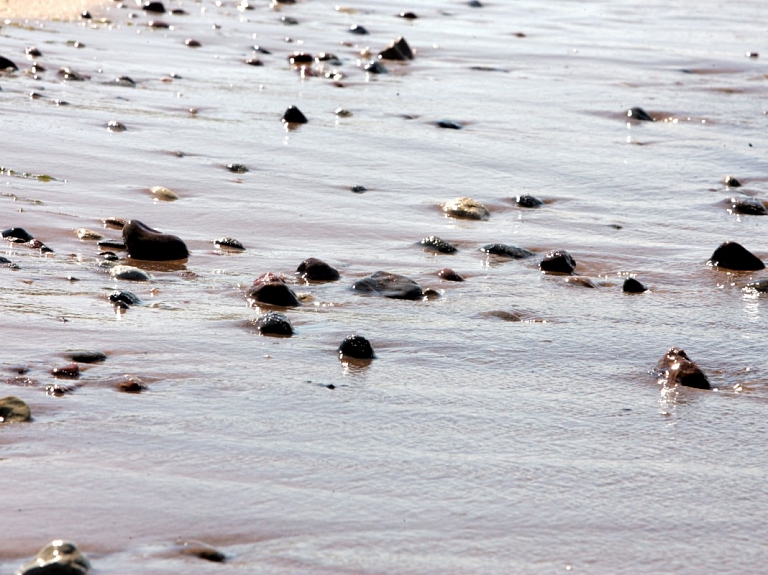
[13,409]
[387,284]
[676,368]
[145,243]
[466,208]
[734,256]
[271,289]
[58,558]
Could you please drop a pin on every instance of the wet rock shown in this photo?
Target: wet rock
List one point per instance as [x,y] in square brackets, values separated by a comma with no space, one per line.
[676,368]
[114,223]
[289,21]
[86,356]
[631,285]
[731,182]
[237,168]
[33,52]
[145,243]
[254,62]
[38,245]
[260,50]
[316,270]
[475,4]
[154,7]
[129,273]
[130,384]
[328,58]
[397,50]
[294,116]
[109,256]
[449,275]
[192,43]
[274,323]
[357,347]
[502,315]
[229,243]
[580,281]
[344,113]
[747,206]
[759,286]
[449,125]
[67,73]
[111,245]
[357,29]
[124,81]
[57,558]
[640,115]
[69,371]
[734,256]
[6,263]
[436,244]
[17,235]
[179,12]
[558,261]
[125,297]
[357,189]
[271,289]
[6,64]
[158,25]
[300,58]
[202,551]
[466,208]
[115,126]
[526,201]
[507,251]
[389,285]
[86,234]
[12,409]
[164,194]
[407,15]
[375,67]
[59,389]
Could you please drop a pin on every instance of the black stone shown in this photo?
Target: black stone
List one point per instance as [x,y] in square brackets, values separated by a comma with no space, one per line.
[229,243]
[448,124]
[375,67]
[154,7]
[732,182]
[300,58]
[126,297]
[111,245]
[474,4]
[237,168]
[631,285]
[272,289]
[109,256]
[87,356]
[357,347]
[125,81]
[748,206]
[192,43]
[734,256]
[145,243]
[115,126]
[86,15]
[5,63]
[17,235]
[678,369]
[67,73]
[407,15]
[437,245]
[357,29]
[558,261]
[274,323]
[397,50]
[316,270]
[254,62]
[357,189]
[32,51]
[526,201]
[640,115]
[449,275]
[294,116]
[260,49]
[507,251]
[760,286]
[389,285]
[288,21]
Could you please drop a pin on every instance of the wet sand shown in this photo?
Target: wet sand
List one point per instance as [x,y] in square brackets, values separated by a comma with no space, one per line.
[47,9]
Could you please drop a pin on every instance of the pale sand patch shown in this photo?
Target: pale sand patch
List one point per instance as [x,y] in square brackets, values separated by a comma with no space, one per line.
[47,9]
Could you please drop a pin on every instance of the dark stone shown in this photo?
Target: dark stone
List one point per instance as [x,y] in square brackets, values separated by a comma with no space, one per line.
[759,286]
[407,15]
[58,558]
[747,206]
[69,371]
[580,281]
[398,49]
[294,116]
[130,385]
[13,409]
[179,12]
[288,21]
[111,244]
[733,256]
[389,285]
[154,7]
[114,223]
[159,24]
[732,182]
[68,73]
[229,243]
[38,245]
[677,369]
[86,15]
[448,125]
[192,43]
[449,275]
[300,58]
[357,189]
[274,323]
[315,270]
[558,261]
[507,251]
[32,51]
[125,297]
[237,168]
[357,29]
[271,289]
[201,550]
[260,49]
[474,4]
[375,67]
[115,126]
[5,63]
[109,256]
[254,62]
[145,243]
[357,347]
[503,315]
[125,81]
[87,356]
[5,262]
[437,245]
[631,285]
[526,201]
[17,235]
[640,115]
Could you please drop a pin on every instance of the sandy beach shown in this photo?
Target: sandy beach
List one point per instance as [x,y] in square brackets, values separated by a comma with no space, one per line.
[47,9]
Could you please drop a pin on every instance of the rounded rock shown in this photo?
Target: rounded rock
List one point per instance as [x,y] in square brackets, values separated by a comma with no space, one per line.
[57,558]
[87,356]
[747,206]
[507,251]
[6,64]
[389,285]
[316,270]
[145,243]
[124,297]
[154,7]
[558,261]
[449,275]
[357,347]
[129,273]
[229,243]
[676,368]
[734,256]
[526,201]
[271,289]
[640,115]
[237,168]
[164,194]
[466,208]
[274,323]
[17,235]
[439,245]
[357,29]
[69,371]
[631,285]
[449,125]
[375,67]
[12,409]
[731,182]
[293,115]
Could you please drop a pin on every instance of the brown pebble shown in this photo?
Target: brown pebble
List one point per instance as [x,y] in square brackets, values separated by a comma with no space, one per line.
[69,371]
[448,274]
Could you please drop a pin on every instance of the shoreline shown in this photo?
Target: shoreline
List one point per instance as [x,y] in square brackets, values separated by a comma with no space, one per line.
[47,9]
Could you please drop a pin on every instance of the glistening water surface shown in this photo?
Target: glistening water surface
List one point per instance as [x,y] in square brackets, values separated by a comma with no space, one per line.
[470,444]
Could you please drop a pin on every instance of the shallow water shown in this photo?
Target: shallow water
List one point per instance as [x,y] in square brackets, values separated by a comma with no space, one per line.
[471,444]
